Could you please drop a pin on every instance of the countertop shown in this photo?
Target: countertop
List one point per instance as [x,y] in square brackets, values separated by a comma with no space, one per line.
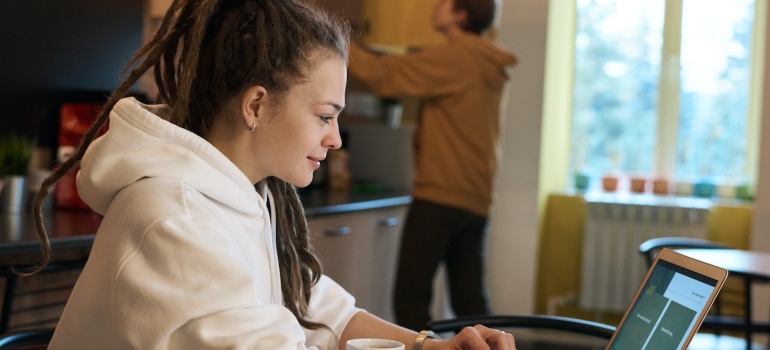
[71,232]
[319,202]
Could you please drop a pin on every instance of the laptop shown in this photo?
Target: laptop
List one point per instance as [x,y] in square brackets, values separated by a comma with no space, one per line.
[670,304]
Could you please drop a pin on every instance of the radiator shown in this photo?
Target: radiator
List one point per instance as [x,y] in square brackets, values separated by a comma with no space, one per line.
[616,224]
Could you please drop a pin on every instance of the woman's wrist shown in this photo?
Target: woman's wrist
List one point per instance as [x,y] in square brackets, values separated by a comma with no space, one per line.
[422,340]
[432,344]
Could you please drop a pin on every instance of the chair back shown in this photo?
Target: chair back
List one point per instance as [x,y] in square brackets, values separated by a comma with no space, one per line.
[36,339]
[559,323]
[650,247]
[43,299]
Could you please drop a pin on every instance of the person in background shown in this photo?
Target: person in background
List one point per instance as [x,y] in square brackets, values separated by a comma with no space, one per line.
[456,152]
[204,243]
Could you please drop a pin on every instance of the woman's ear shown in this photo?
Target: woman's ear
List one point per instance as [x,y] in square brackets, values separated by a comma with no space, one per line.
[252,105]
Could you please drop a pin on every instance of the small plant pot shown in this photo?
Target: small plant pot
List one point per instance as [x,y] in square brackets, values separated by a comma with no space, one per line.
[684,188]
[581,181]
[743,192]
[609,183]
[661,186]
[726,191]
[638,184]
[704,189]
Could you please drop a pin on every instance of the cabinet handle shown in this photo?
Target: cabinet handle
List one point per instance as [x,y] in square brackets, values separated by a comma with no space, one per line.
[389,222]
[336,232]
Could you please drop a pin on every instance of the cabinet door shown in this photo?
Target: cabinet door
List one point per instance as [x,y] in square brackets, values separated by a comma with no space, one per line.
[359,250]
[401,23]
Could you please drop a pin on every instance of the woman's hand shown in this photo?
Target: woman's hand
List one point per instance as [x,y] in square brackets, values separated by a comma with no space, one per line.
[477,337]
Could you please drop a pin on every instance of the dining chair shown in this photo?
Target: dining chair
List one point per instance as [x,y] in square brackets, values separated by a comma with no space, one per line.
[593,330]
[599,334]
[52,301]
[650,248]
[35,339]
[736,298]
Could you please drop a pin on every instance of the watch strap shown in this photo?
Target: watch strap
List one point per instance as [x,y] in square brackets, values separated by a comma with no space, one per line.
[421,338]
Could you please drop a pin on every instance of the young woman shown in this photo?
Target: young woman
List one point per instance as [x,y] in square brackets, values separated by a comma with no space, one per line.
[204,243]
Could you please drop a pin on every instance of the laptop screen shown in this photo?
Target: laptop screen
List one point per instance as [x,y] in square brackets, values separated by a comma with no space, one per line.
[667,309]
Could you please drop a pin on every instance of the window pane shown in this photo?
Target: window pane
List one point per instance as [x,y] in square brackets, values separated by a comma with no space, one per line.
[715,73]
[617,64]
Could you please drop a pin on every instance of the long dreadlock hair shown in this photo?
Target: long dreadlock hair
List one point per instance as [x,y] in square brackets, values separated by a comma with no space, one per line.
[206,52]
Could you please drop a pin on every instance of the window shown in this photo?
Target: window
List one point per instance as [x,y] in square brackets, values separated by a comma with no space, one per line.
[663,87]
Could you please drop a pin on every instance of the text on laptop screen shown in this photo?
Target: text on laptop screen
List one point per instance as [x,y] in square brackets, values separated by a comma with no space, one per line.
[666,310]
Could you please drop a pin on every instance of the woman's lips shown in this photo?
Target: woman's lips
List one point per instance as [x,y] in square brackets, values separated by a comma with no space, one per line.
[315,162]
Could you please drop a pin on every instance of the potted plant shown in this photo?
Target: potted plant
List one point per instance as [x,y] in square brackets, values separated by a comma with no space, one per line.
[15,154]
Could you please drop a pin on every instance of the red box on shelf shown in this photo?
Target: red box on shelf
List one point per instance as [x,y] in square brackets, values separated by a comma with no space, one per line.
[74,120]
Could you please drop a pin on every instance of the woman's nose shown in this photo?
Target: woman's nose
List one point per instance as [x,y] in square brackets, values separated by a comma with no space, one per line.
[333,140]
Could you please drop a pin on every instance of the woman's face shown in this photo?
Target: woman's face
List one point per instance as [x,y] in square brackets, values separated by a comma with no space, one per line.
[302,125]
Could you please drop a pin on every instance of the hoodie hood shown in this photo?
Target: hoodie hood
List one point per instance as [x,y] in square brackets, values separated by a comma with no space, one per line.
[491,59]
[140,143]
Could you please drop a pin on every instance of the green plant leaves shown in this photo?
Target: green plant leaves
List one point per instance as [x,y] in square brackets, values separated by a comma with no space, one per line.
[15,153]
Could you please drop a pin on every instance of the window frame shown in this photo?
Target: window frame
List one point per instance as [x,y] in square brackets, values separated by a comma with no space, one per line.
[555,167]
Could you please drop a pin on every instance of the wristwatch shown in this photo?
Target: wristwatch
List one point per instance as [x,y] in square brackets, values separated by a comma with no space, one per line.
[421,338]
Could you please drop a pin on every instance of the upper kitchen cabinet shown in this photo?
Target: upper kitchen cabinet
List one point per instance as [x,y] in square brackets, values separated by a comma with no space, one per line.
[401,23]
[382,23]
[389,23]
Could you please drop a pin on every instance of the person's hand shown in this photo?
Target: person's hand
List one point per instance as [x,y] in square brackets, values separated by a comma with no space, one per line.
[477,337]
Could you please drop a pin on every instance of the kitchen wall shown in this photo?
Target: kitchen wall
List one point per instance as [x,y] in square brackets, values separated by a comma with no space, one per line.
[56,44]
[61,51]
[512,243]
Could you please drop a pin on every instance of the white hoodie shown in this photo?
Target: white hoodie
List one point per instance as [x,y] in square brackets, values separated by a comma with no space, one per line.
[185,257]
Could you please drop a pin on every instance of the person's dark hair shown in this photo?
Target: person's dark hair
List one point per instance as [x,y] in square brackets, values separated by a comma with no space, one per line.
[481,14]
[204,54]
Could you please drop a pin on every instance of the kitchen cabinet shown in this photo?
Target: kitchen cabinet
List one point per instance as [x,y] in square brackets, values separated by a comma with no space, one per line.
[359,250]
[384,23]
[389,23]
[403,23]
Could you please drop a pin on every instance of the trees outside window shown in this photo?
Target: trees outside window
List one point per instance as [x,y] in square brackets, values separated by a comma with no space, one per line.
[662,87]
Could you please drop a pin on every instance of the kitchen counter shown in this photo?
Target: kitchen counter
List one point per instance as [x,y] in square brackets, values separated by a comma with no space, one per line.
[319,202]
[71,232]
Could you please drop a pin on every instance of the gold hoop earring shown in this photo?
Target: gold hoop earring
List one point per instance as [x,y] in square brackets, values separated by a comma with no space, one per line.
[253,127]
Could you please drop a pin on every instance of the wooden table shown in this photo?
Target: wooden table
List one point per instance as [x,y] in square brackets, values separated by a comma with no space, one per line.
[750,266]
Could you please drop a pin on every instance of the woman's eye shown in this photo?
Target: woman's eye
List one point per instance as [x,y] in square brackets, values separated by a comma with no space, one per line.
[326,118]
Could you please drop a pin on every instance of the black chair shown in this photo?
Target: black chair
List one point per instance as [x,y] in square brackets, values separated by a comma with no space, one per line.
[12,292]
[594,330]
[36,339]
[650,247]
[716,322]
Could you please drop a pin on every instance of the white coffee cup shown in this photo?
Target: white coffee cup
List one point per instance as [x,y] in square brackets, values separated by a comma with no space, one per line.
[372,343]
